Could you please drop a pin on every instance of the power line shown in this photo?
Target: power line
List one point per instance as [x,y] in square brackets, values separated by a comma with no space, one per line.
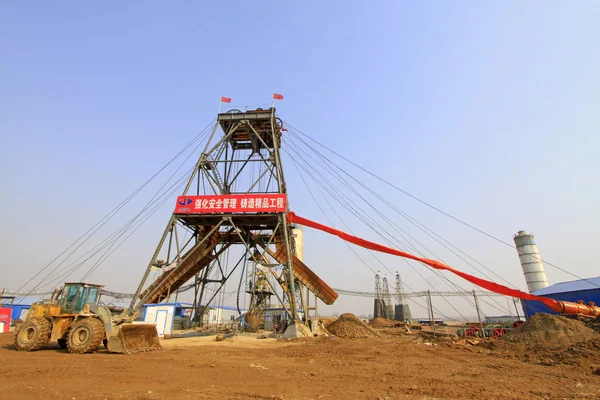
[394,225]
[111,214]
[316,202]
[432,206]
[362,217]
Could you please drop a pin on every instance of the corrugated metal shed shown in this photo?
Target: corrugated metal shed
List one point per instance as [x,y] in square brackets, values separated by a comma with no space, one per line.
[573,291]
[571,286]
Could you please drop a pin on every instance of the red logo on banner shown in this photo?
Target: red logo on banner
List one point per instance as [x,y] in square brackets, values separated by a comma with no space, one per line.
[231,203]
[5,314]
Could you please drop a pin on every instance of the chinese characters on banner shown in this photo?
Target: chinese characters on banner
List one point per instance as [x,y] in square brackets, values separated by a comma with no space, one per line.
[233,203]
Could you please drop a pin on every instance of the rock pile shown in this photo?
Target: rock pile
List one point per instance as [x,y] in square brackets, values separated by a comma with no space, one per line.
[350,327]
[594,324]
[545,330]
[327,321]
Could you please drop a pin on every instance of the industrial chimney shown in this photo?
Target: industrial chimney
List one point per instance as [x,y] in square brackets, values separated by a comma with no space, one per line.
[298,237]
[531,262]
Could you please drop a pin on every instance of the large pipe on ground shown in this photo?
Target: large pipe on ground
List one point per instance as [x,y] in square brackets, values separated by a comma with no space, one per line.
[579,308]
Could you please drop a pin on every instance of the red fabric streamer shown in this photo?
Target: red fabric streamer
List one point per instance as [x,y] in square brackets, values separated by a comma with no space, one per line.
[277,96]
[491,286]
[225,99]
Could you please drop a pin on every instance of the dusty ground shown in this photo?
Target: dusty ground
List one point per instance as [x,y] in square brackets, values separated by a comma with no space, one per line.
[393,366]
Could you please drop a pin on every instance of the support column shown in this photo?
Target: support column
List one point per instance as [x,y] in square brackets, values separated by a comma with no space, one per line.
[431,310]
[477,308]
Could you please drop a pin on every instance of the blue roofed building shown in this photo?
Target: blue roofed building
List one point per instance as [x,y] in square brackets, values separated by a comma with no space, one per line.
[587,290]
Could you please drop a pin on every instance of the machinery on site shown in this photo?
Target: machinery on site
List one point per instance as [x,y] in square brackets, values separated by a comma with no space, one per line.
[217,215]
[80,323]
[493,331]
[236,199]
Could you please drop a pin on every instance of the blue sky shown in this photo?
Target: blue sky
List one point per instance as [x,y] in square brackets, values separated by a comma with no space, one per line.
[486,110]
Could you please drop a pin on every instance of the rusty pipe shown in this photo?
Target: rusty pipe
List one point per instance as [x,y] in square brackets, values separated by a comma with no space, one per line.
[568,307]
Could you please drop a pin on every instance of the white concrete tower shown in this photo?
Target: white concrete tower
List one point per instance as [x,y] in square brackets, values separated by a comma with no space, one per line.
[298,236]
[531,262]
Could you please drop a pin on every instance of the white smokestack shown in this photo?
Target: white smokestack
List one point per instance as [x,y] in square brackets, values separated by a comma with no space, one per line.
[531,262]
[298,236]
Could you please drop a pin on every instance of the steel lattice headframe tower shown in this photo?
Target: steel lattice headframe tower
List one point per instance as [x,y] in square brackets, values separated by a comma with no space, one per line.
[399,290]
[379,309]
[389,307]
[402,310]
[235,196]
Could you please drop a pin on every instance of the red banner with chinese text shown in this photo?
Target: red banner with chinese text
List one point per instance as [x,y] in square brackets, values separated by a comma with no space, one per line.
[231,203]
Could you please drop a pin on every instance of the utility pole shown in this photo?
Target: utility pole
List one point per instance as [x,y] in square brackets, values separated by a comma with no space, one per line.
[388,307]
[431,310]
[379,309]
[516,308]
[477,308]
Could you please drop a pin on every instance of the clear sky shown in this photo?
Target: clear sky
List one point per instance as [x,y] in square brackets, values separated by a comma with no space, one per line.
[488,110]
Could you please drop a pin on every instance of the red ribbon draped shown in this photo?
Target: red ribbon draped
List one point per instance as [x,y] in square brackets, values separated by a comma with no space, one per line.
[491,286]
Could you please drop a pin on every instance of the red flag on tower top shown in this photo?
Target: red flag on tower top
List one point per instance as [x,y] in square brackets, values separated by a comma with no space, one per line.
[277,96]
[225,99]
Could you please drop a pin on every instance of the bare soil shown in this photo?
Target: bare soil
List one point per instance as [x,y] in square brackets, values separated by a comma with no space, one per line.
[545,330]
[551,340]
[594,324]
[381,322]
[393,366]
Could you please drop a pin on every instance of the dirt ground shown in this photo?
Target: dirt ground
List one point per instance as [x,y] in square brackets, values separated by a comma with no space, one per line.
[393,366]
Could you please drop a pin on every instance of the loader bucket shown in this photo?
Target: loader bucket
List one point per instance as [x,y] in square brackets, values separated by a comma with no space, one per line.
[133,338]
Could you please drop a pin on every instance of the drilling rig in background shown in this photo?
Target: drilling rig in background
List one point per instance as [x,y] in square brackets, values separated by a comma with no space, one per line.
[383,307]
[401,310]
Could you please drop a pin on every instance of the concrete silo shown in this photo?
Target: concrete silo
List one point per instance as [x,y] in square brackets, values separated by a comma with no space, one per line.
[531,262]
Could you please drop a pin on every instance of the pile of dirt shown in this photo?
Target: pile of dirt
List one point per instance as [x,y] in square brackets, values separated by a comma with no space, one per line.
[327,321]
[545,330]
[381,322]
[350,327]
[594,324]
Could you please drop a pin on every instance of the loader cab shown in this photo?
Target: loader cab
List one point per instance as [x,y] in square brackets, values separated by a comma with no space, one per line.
[76,295]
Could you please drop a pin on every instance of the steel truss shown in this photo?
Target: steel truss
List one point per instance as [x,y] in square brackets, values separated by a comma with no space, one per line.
[246,159]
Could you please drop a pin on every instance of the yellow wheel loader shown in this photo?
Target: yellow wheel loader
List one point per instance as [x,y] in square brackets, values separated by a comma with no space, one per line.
[80,323]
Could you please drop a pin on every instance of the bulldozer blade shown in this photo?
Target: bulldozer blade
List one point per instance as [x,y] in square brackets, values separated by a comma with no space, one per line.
[133,338]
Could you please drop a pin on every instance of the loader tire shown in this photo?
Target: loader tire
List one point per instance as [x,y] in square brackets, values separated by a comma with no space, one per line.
[85,336]
[33,334]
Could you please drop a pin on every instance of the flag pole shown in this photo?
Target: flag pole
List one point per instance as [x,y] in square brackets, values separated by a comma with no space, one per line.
[220,104]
